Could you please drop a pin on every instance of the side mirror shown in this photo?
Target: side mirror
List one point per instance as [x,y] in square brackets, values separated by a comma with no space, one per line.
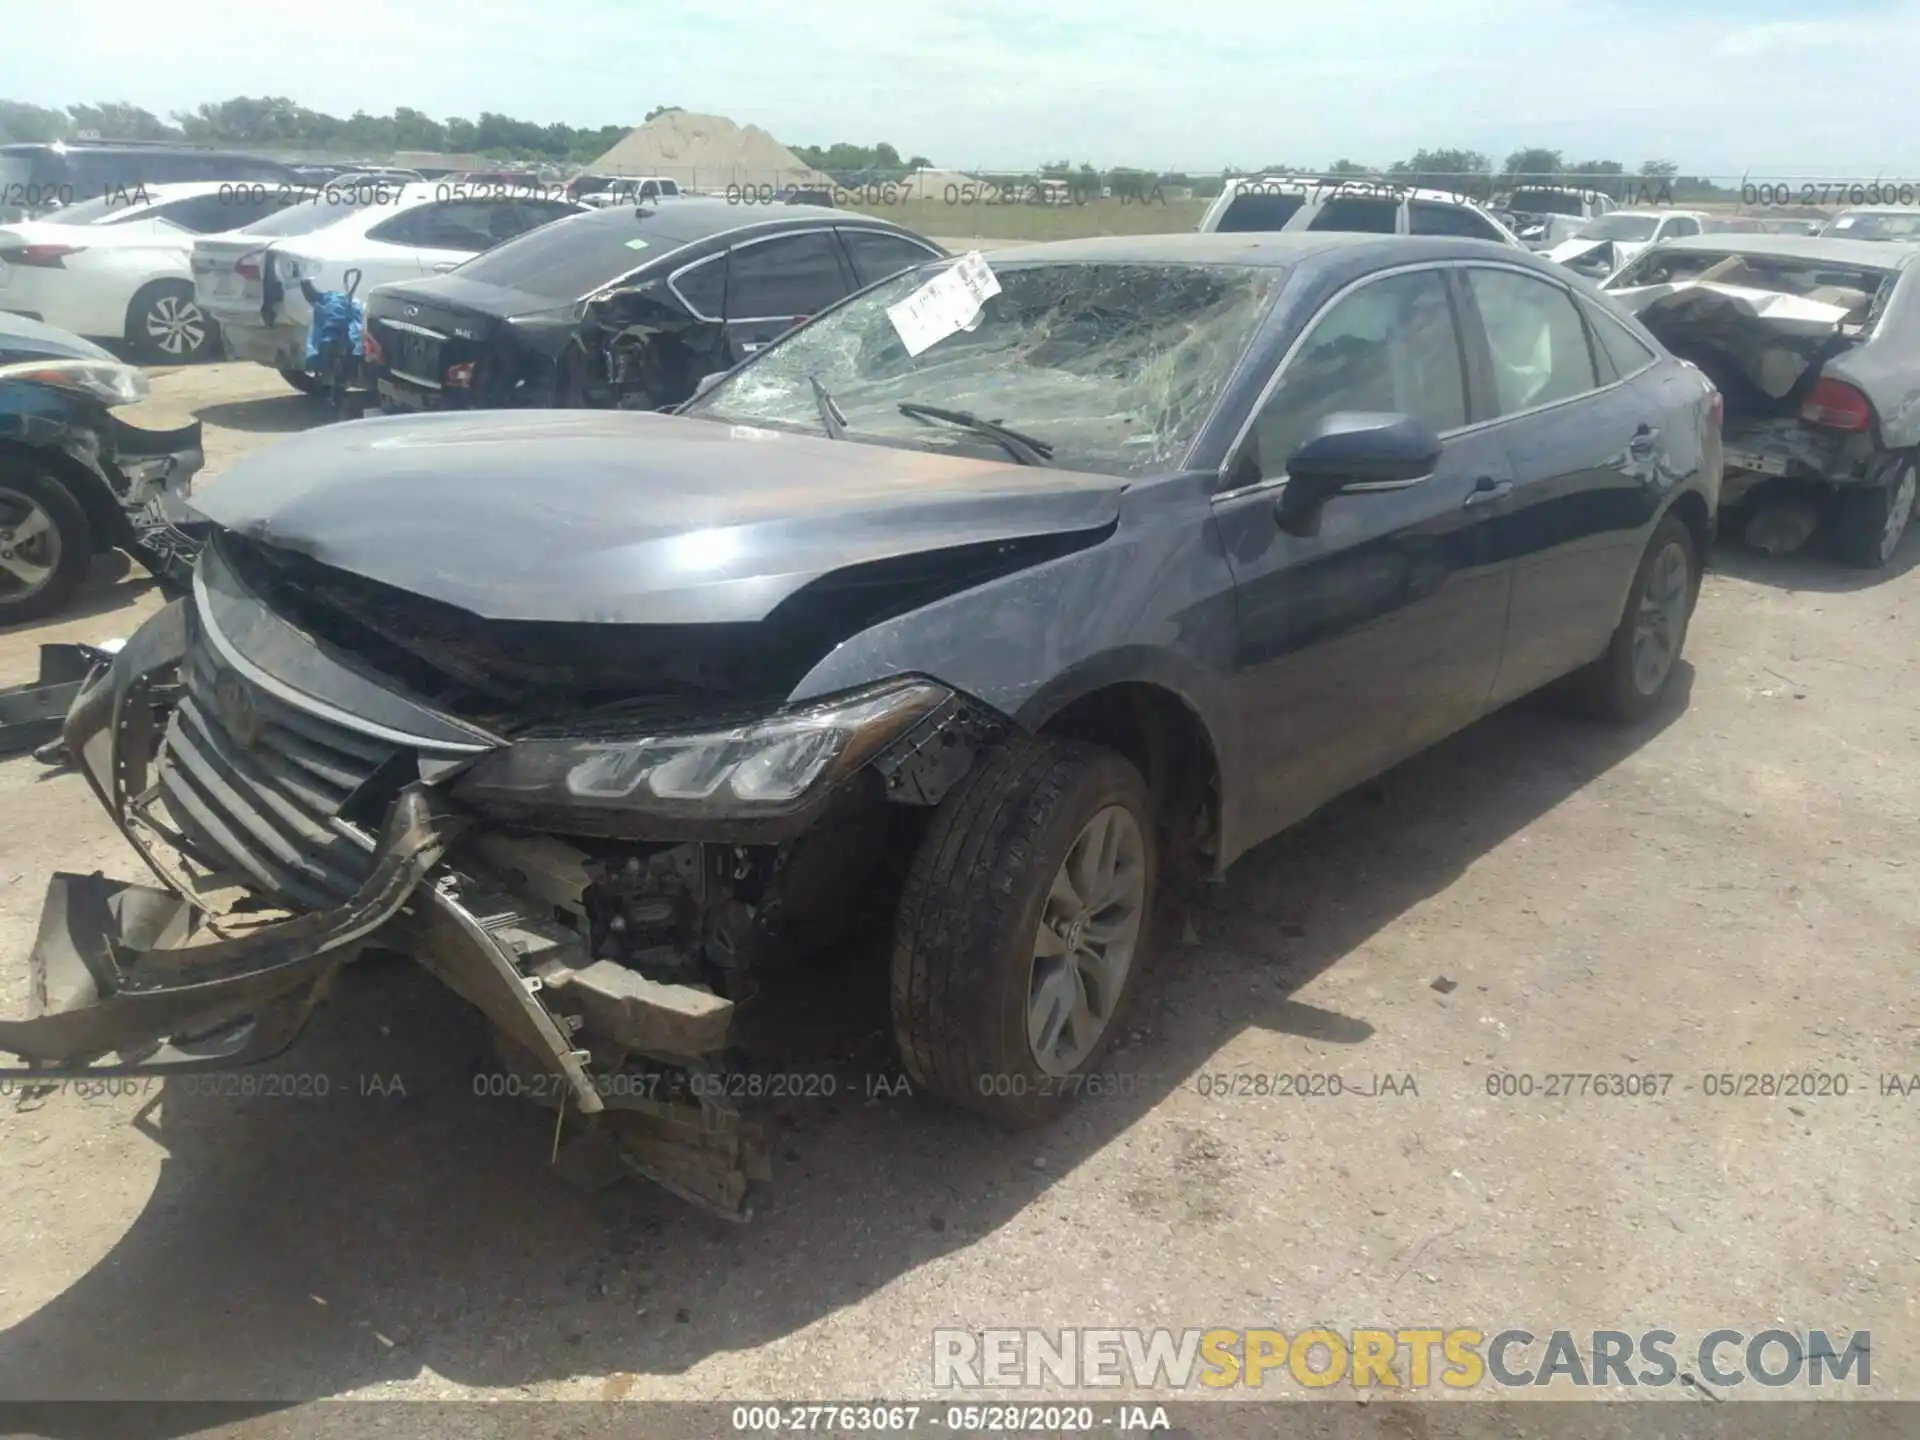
[1354,453]
[707,382]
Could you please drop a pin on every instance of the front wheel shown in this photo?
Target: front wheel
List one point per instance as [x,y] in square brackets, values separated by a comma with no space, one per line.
[1633,677]
[303,382]
[1871,522]
[1022,927]
[46,544]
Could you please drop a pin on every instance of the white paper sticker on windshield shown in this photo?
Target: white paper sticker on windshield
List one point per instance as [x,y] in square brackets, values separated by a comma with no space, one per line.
[950,301]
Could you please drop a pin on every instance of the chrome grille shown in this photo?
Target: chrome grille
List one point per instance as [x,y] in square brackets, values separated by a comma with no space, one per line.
[258,785]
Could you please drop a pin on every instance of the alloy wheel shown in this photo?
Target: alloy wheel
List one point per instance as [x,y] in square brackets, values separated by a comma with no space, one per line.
[1659,625]
[29,546]
[1084,946]
[175,326]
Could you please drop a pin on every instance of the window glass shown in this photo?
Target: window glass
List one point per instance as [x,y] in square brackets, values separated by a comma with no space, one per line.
[876,255]
[704,286]
[1682,225]
[792,276]
[1389,346]
[1428,217]
[1539,346]
[210,214]
[1254,210]
[1619,344]
[1353,212]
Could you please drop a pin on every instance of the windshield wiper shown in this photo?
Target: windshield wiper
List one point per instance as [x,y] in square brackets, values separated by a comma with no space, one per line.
[831,420]
[1024,448]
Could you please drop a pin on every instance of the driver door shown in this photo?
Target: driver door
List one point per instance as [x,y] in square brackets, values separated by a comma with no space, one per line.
[1381,632]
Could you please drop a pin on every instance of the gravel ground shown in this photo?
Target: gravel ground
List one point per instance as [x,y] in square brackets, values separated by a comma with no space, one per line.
[1730,889]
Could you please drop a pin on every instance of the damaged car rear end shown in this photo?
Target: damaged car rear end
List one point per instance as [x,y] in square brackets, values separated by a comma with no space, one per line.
[1815,344]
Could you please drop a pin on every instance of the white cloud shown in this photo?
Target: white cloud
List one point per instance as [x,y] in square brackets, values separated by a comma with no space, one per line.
[999,83]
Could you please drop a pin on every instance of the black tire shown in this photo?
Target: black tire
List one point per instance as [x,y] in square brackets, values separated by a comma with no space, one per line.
[303,382]
[969,917]
[70,551]
[164,315]
[1608,688]
[1871,521]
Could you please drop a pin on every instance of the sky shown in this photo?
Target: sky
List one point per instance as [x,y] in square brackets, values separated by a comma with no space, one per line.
[1736,87]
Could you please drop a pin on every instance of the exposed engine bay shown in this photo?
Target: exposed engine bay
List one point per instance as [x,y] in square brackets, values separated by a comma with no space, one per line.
[613,954]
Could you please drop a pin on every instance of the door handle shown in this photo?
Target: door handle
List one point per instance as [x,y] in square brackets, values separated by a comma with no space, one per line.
[1486,490]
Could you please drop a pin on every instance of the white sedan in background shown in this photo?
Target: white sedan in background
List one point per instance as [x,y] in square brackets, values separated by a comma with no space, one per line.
[116,268]
[1602,246]
[249,280]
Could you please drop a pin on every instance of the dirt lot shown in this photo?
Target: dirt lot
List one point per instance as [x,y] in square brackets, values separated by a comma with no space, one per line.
[1730,890]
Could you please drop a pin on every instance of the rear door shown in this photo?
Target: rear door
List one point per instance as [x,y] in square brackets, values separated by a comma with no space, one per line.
[775,283]
[1381,633]
[1587,454]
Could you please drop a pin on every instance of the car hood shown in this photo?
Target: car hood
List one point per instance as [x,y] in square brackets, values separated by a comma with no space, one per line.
[626,517]
[23,339]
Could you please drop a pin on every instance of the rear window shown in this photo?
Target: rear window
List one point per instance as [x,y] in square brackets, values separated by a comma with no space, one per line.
[569,259]
[1546,202]
[1350,212]
[1254,210]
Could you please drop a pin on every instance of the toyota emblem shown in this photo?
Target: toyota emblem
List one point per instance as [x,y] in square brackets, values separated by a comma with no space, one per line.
[412,311]
[233,702]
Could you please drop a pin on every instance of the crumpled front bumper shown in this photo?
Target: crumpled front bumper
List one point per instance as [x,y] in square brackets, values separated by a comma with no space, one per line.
[149,976]
[157,467]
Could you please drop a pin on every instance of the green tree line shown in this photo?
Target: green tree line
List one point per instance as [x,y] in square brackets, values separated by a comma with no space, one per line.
[276,123]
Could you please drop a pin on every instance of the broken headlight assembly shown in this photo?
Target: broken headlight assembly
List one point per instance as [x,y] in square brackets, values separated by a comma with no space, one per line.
[108,381]
[763,768]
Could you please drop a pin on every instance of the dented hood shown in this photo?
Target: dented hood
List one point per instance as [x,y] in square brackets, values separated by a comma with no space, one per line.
[623,516]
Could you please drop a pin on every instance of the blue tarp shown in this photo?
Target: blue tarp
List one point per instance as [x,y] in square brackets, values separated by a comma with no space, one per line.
[337,318]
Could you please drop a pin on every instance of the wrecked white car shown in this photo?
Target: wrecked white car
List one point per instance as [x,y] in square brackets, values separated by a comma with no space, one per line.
[1602,246]
[1543,216]
[1815,343]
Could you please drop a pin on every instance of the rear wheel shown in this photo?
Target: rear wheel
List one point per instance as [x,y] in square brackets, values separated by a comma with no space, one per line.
[1022,928]
[165,325]
[1631,679]
[46,544]
[1871,522]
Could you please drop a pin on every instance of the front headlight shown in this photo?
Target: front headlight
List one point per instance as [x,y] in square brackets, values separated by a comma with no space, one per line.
[106,380]
[758,769]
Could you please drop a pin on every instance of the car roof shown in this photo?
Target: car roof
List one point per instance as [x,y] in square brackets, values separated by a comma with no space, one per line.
[1658,211]
[1880,210]
[1873,254]
[690,218]
[1356,185]
[1255,247]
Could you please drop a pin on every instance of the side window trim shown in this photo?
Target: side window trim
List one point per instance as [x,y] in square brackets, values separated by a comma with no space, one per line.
[718,257]
[1595,318]
[1440,269]
[1486,354]
[840,256]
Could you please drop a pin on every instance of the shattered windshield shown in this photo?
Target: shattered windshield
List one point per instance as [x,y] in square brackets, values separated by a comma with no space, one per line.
[1881,225]
[1546,202]
[1620,227]
[1114,366]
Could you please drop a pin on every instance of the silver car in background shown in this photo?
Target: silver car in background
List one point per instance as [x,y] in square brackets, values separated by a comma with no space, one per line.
[1815,343]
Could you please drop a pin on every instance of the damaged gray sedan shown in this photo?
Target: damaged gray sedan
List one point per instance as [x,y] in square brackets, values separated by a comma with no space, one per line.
[992,595]
[1815,343]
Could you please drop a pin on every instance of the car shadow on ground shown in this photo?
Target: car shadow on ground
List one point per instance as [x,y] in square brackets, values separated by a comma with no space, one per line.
[110,588]
[304,1246]
[266,415]
[1809,570]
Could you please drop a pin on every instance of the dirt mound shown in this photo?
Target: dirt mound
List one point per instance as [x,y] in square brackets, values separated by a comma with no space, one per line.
[706,152]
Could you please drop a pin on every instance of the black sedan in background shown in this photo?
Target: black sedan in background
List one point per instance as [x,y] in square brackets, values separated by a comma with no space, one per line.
[626,308]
